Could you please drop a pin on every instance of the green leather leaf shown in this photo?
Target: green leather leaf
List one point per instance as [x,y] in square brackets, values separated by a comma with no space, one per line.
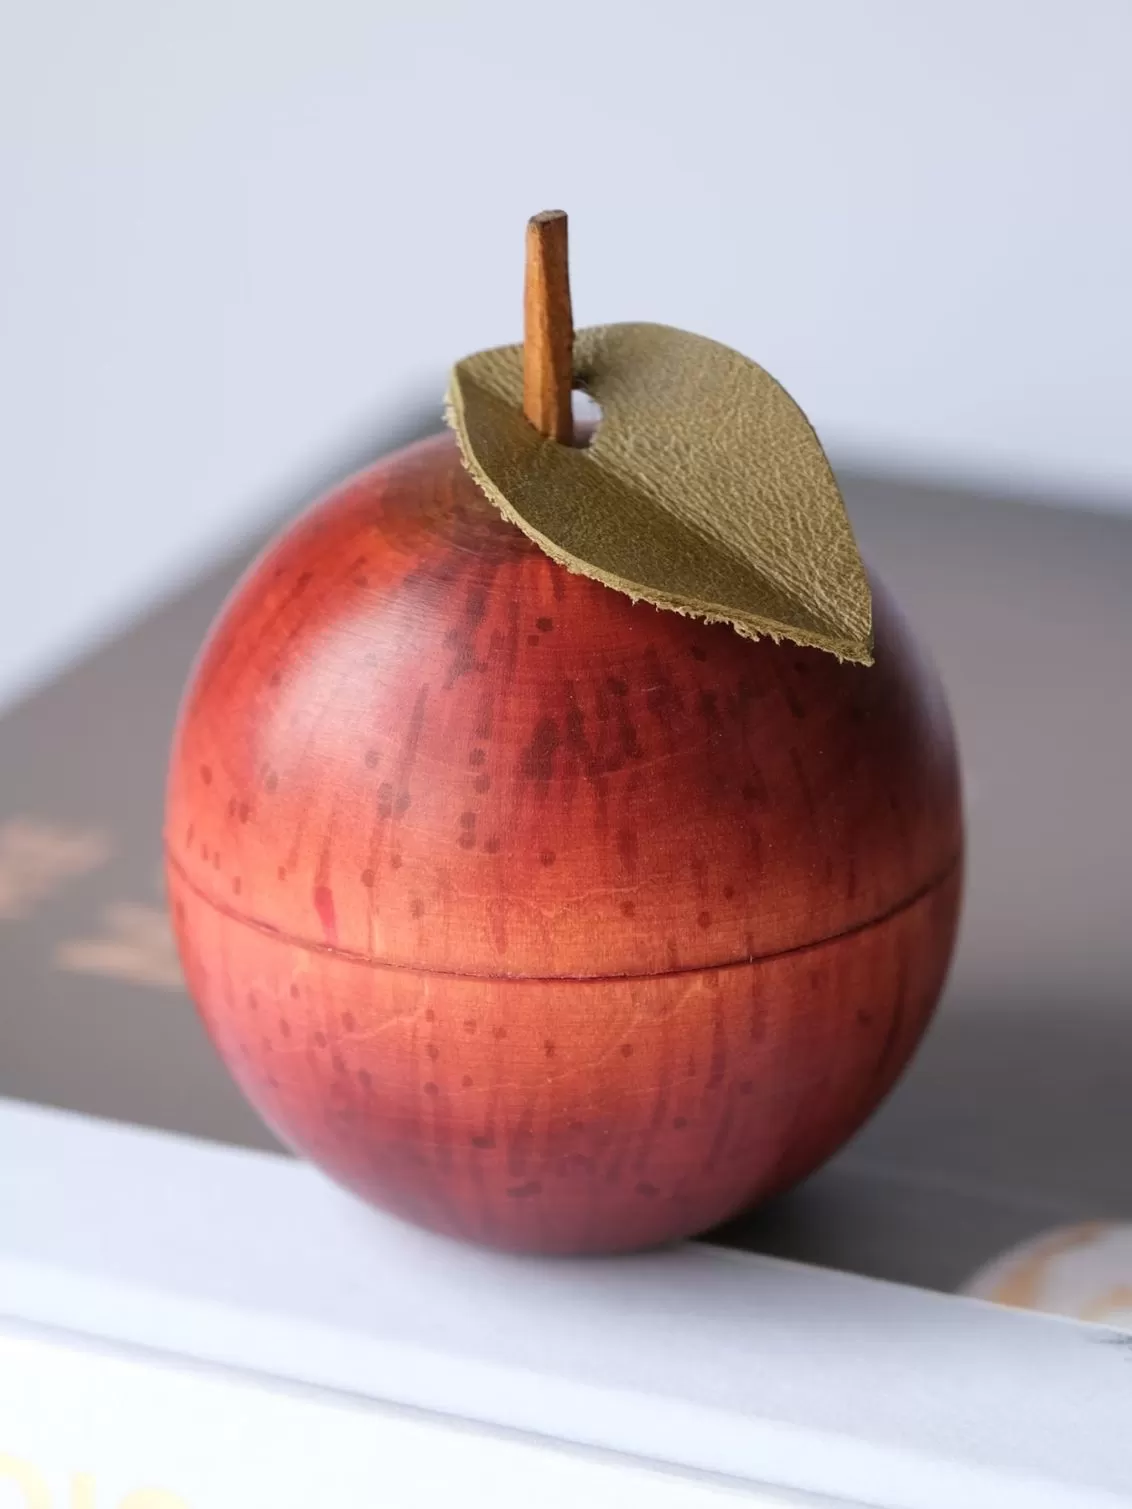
[704,490]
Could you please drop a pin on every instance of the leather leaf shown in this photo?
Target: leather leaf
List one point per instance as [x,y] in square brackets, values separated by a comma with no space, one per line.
[704,490]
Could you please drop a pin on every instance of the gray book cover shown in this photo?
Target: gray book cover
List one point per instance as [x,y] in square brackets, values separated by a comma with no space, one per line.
[1017,1113]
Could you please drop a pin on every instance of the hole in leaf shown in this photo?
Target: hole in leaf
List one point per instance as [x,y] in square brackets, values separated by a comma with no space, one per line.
[587,417]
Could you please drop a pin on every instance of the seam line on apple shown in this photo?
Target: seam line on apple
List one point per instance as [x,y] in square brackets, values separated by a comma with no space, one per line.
[354,957]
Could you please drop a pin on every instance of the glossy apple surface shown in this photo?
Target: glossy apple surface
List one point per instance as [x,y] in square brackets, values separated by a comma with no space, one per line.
[547,919]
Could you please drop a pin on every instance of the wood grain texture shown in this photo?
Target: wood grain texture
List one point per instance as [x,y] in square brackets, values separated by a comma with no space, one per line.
[546,918]
[548,328]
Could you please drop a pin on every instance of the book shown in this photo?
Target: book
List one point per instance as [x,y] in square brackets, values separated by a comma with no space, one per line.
[117,1435]
[193,1325]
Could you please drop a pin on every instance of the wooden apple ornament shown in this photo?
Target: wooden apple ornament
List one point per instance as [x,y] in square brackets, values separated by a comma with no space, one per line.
[538,915]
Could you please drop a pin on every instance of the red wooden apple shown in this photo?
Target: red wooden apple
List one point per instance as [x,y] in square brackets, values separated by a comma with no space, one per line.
[540,916]
[536,915]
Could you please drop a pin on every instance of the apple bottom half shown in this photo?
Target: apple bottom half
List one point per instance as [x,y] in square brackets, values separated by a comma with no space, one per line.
[567,1115]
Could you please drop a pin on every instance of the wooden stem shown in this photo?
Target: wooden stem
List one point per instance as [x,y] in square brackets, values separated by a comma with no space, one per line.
[548,329]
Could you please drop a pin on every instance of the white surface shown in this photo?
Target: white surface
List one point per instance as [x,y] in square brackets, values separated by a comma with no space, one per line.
[82,1428]
[239,232]
[701,1358]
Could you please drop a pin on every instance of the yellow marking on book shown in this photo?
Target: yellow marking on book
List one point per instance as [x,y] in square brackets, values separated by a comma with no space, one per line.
[37,858]
[136,944]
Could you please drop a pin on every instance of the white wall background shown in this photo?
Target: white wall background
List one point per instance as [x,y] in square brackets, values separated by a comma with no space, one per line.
[236,233]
